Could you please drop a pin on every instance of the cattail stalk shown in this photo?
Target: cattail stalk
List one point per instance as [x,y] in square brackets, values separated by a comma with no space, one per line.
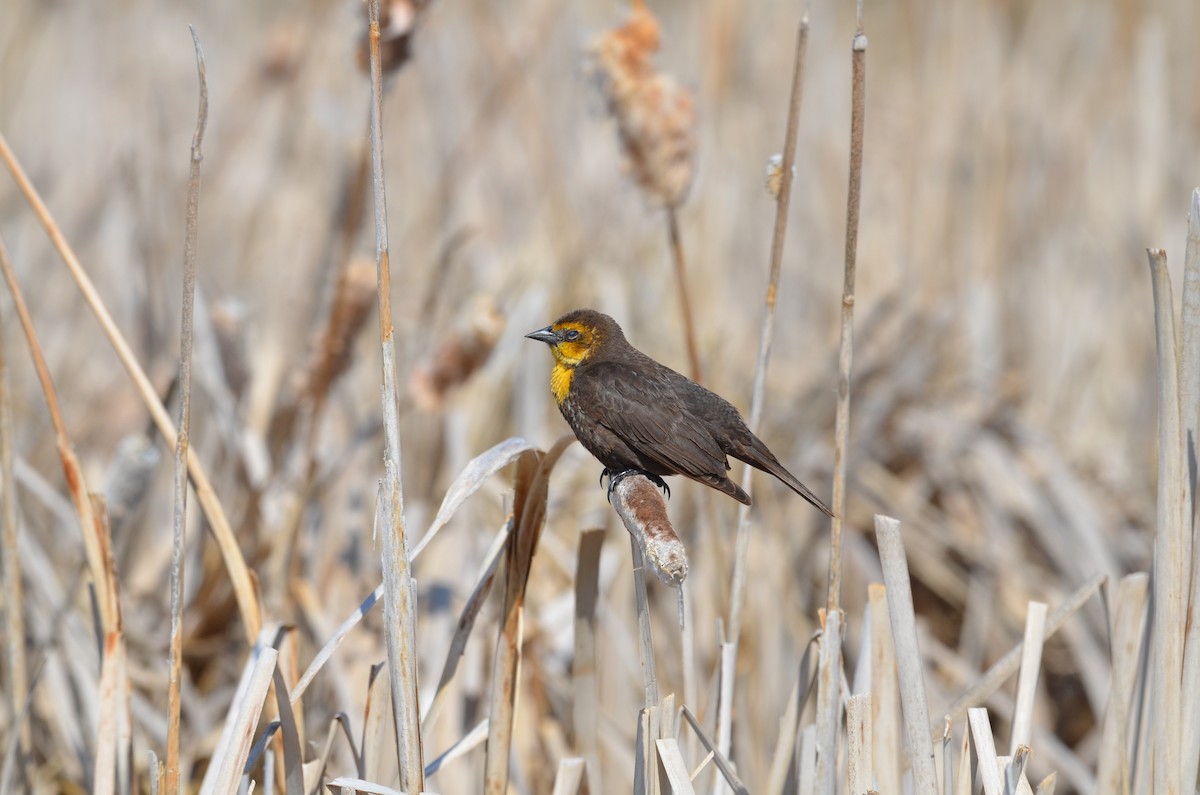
[765,338]
[1190,416]
[908,654]
[767,328]
[400,609]
[827,735]
[685,300]
[1170,583]
[239,574]
[14,595]
[179,515]
[846,349]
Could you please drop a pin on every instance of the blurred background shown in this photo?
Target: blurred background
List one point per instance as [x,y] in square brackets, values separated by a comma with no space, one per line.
[1019,158]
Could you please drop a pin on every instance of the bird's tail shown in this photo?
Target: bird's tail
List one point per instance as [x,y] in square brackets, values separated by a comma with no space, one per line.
[724,484]
[758,456]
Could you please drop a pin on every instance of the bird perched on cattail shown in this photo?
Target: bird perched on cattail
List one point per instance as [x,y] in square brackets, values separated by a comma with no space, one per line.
[638,416]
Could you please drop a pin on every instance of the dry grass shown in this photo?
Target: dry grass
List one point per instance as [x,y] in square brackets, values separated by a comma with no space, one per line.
[1019,158]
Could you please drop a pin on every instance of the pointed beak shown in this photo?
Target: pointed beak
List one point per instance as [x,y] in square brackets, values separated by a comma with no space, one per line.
[545,335]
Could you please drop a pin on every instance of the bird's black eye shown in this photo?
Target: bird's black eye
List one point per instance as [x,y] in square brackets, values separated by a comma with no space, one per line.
[571,335]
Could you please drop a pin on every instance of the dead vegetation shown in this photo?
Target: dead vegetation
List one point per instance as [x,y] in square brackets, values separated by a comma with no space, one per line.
[1007,401]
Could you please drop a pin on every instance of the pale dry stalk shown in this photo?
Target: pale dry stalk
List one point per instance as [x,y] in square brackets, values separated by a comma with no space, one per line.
[908,655]
[96,544]
[14,596]
[529,515]
[179,515]
[846,349]
[685,299]
[1127,622]
[585,707]
[239,575]
[1031,662]
[1007,665]
[765,338]
[829,704]
[1170,583]
[400,609]
[827,724]
[767,329]
[1190,416]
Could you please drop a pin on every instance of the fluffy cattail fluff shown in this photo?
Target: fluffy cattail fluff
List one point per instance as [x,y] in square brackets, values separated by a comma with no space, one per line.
[463,352]
[656,117]
[774,178]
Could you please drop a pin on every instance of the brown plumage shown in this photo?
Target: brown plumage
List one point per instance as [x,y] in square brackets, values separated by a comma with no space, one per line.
[636,415]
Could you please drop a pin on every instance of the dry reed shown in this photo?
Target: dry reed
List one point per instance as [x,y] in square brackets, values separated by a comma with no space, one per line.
[179,515]
[218,522]
[400,610]
[20,740]
[1001,406]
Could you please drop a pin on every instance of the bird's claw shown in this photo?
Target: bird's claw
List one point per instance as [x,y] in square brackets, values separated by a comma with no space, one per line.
[616,477]
[662,484]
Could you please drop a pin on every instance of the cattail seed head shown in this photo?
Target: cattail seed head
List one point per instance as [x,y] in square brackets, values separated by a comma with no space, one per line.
[460,354]
[656,116]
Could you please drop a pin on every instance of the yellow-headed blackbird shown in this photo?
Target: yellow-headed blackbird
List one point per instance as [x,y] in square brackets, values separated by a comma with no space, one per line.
[637,416]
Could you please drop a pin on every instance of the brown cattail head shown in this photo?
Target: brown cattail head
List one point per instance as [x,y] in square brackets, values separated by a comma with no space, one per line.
[332,351]
[644,511]
[352,306]
[461,353]
[656,117]
[281,55]
[627,52]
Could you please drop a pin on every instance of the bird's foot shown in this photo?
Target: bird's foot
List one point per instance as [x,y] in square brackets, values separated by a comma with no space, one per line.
[616,477]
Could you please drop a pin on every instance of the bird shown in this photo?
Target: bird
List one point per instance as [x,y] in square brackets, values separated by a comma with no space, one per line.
[637,416]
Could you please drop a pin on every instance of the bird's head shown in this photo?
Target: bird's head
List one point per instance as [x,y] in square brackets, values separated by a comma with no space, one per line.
[577,335]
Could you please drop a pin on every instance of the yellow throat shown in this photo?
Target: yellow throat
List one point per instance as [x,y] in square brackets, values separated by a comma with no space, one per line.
[566,356]
[560,381]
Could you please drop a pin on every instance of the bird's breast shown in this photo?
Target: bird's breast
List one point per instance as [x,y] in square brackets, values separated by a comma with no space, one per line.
[560,382]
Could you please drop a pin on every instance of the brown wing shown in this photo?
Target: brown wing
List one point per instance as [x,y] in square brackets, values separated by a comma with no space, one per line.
[737,440]
[645,412]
